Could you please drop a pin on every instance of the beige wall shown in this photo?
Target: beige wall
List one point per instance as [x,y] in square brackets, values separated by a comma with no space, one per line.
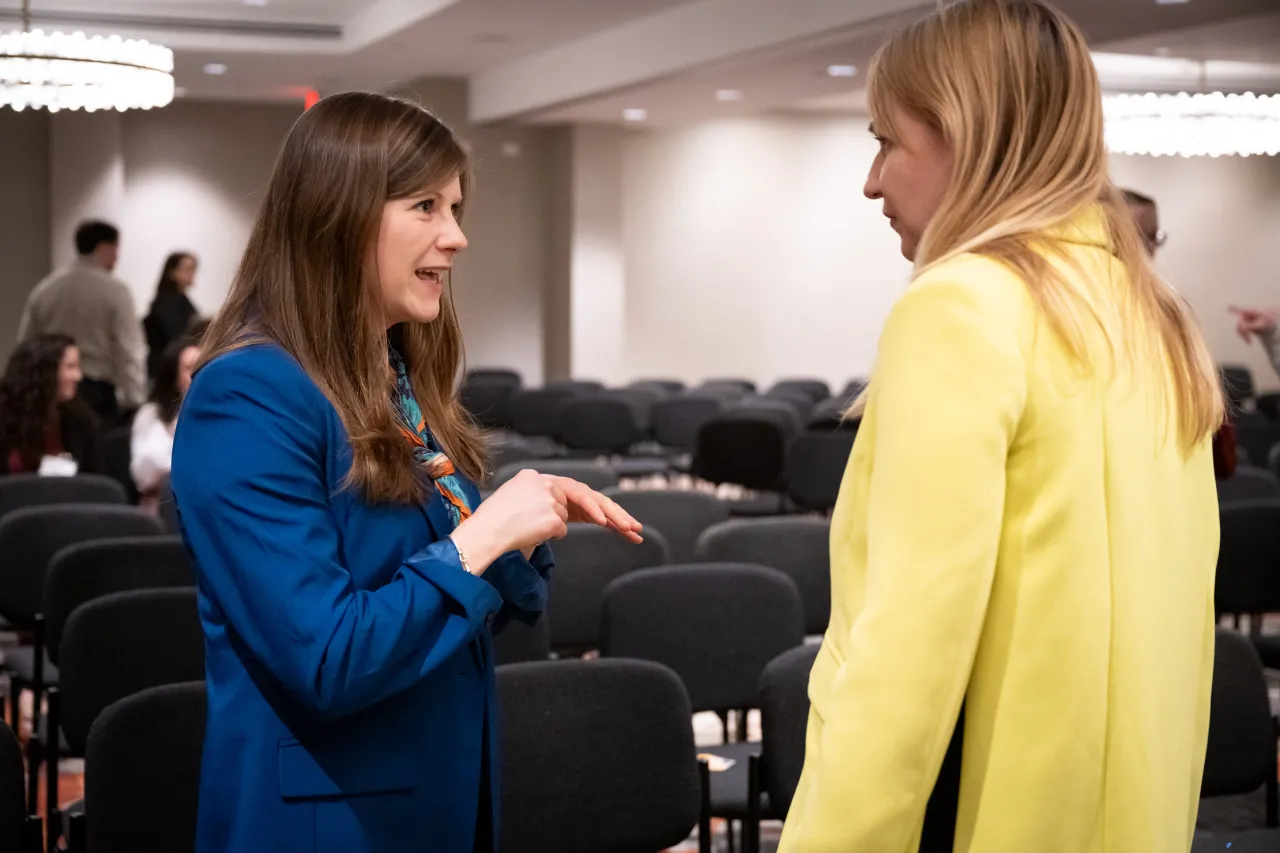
[24,215]
[751,251]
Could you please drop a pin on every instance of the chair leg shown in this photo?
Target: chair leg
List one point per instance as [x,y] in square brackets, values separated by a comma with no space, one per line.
[751,829]
[742,724]
[52,816]
[704,813]
[33,835]
[729,831]
[78,841]
[35,756]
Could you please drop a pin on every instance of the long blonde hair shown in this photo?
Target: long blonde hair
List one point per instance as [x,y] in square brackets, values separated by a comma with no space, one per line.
[303,282]
[1012,89]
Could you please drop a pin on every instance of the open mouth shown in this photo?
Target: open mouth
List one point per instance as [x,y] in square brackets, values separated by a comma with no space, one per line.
[433,276]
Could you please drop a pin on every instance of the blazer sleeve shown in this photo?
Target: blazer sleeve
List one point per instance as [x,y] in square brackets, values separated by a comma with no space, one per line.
[249,482]
[946,397]
[525,585]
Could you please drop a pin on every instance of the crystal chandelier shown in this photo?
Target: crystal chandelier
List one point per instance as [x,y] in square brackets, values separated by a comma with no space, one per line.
[55,71]
[1212,125]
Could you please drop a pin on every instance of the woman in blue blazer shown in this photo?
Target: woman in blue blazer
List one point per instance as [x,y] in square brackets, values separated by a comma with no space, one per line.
[349,577]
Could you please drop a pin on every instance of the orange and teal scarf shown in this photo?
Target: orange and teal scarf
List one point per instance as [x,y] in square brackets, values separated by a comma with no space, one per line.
[430,459]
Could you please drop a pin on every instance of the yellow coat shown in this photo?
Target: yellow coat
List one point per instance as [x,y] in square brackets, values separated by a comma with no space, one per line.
[1025,537]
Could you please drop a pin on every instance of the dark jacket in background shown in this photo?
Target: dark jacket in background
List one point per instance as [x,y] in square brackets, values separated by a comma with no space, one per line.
[170,317]
[81,437]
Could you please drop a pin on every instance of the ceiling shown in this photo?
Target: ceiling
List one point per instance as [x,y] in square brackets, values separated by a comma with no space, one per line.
[551,61]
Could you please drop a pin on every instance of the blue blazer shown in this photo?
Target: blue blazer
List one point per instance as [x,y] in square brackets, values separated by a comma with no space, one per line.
[349,656]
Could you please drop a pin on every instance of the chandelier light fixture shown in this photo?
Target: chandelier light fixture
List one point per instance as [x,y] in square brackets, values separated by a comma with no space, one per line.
[57,71]
[1187,125]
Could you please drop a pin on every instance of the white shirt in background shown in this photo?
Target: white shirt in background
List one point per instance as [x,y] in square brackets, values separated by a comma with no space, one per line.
[151,449]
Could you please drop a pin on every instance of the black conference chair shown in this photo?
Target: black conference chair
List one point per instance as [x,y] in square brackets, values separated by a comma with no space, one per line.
[1269,405]
[1248,577]
[502,375]
[680,516]
[675,422]
[597,475]
[489,401]
[719,385]
[791,411]
[588,559]
[717,625]
[521,643]
[29,539]
[26,490]
[830,415]
[1241,754]
[581,387]
[816,390]
[536,414]
[1248,483]
[117,451]
[113,647]
[799,547]
[666,386]
[142,773]
[89,570]
[774,775]
[1237,382]
[747,447]
[853,389]
[19,830]
[1257,436]
[598,758]
[599,425]
[815,466]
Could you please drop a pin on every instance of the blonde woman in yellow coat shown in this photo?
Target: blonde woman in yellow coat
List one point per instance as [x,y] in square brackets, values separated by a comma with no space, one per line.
[1027,529]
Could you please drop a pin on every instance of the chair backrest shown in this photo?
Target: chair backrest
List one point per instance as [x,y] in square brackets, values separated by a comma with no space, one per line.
[513,448]
[1237,382]
[816,461]
[1256,437]
[853,388]
[791,411]
[594,474]
[675,422]
[30,537]
[1241,753]
[815,389]
[680,516]
[122,643]
[743,446]
[13,797]
[117,452]
[537,412]
[489,401]
[666,386]
[521,643]
[598,756]
[720,384]
[717,625]
[89,570]
[18,491]
[784,721]
[588,559]
[829,415]
[641,401]
[600,424]
[1248,579]
[496,375]
[796,546]
[577,386]
[1248,483]
[142,771]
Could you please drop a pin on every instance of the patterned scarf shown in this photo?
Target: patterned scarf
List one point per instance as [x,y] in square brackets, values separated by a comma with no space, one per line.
[436,465]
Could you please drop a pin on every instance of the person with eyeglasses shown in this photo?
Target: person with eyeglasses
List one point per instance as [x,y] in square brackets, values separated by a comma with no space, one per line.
[1145,213]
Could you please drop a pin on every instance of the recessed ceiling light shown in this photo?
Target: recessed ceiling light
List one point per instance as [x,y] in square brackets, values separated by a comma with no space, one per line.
[634,114]
[256,2]
[728,95]
[179,92]
[217,69]
[841,70]
[1171,2]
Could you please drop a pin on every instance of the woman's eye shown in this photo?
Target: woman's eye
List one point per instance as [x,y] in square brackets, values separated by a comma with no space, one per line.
[426,206]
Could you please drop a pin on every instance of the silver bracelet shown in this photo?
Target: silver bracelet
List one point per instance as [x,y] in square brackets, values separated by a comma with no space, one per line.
[462,558]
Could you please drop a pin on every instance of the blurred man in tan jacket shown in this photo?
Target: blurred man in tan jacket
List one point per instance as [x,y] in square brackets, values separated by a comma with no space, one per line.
[84,300]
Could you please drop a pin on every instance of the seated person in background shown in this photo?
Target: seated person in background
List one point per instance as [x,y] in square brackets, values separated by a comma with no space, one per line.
[151,445]
[1262,322]
[43,427]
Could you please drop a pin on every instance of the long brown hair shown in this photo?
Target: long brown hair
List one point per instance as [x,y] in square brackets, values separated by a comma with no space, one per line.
[1010,85]
[29,396]
[305,284]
